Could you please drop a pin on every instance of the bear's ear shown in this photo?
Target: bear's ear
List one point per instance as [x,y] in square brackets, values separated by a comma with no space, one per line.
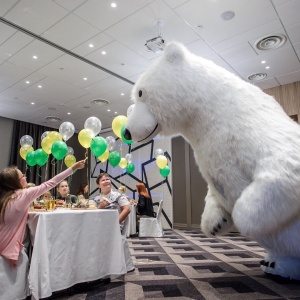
[174,52]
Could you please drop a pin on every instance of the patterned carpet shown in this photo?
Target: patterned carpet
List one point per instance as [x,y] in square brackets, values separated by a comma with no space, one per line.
[187,265]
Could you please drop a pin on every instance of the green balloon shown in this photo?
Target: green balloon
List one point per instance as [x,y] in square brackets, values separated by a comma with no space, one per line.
[59,150]
[122,136]
[114,158]
[130,168]
[41,157]
[98,145]
[165,171]
[30,159]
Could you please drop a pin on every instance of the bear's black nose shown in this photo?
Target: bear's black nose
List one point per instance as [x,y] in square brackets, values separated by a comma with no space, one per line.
[127,134]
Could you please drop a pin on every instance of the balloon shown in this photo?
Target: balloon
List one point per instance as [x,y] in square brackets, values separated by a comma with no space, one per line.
[66,129]
[84,138]
[129,109]
[114,158]
[104,157]
[165,171]
[117,124]
[123,163]
[111,143]
[30,159]
[23,152]
[161,161]
[122,135]
[47,144]
[59,150]
[70,160]
[26,141]
[130,168]
[41,157]
[54,136]
[70,150]
[44,134]
[98,145]
[158,152]
[128,157]
[93,125]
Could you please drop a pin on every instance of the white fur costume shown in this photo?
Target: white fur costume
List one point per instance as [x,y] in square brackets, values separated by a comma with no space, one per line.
[247,148]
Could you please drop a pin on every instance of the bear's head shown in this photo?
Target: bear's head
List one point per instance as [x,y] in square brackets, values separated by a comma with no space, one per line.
[172,94]
[157,97]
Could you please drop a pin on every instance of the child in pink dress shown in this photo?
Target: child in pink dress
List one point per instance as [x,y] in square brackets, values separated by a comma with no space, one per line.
[14,203]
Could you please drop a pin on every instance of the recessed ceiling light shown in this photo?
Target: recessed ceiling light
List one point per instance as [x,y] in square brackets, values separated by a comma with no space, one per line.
[100,102]
[116,112]
[227,15]
[108,110]
[39,86]
[52,119]
[27,82]
[103,52]
[69,113]
[113,4]
[84,78]
[263,61]
[91,45]
[267,67]
[32,103]
[34,56]
[122,94]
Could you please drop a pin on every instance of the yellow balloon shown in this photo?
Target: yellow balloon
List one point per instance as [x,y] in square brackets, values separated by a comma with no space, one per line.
[70,160]
[104,157]
[123,163]
[161,161]
[47,144]
[117,124]
[54,136]
[23,152]
[84,138]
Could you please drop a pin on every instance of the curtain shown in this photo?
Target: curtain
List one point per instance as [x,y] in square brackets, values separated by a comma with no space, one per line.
[35,174]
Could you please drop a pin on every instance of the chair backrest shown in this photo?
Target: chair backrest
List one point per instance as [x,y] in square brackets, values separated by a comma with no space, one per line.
[158,214]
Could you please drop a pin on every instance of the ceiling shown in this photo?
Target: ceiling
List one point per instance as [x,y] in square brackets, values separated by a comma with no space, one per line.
[68,74]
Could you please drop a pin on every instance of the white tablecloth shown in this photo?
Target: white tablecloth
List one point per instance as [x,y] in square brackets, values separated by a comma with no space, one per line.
[130,224]
[73,246]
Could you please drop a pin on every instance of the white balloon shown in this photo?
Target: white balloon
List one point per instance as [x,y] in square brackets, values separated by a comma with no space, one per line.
[111,143]
[26,141]
[94,125]
[128,157]
[158,152]
[70,151]
[66,129]
[44,134]
[129,109]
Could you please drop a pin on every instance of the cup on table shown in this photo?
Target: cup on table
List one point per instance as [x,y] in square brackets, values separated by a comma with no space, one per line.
[50,203]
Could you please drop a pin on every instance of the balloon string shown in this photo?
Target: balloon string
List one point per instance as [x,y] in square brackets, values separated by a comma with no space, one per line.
[53,162]
[40,171]
[61,166]
[46,171]
[87,169]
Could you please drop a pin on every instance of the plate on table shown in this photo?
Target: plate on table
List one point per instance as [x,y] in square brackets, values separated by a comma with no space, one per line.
[39,209]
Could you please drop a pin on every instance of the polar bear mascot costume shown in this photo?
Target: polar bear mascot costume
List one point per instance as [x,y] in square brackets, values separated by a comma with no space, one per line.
[247,149]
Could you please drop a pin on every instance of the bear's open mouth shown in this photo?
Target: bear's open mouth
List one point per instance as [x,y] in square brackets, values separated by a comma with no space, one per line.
[149,134]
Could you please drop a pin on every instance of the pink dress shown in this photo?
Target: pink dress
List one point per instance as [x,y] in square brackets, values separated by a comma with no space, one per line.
[16,213]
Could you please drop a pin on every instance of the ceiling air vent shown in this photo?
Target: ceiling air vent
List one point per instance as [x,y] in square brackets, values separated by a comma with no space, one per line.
[257,76]
[52,119]
[271,42]
[100,102]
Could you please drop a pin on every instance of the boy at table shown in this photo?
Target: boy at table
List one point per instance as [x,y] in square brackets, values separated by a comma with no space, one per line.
[109,199]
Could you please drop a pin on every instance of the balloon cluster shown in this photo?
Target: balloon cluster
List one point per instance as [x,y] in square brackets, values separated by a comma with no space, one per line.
[52,143]
[162,163]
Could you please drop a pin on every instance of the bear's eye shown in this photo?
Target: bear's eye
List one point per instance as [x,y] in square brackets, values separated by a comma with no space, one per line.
[140,93]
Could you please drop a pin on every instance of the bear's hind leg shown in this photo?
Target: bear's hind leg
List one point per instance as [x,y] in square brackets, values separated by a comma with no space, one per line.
[286,267]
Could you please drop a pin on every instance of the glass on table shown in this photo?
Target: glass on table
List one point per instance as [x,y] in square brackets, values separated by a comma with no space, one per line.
[50,203]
